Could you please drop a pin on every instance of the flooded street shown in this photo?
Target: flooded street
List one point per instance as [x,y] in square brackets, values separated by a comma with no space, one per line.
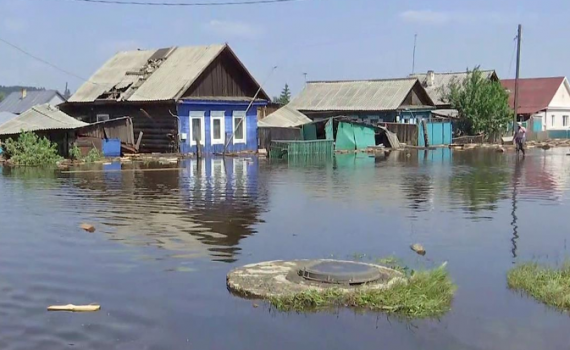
[168,235]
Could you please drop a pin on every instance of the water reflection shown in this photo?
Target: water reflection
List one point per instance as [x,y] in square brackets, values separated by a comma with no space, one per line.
[193,209]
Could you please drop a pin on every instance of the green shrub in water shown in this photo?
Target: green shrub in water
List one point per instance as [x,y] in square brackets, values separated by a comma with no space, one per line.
[93,156]
[424,294]
[546,284]
[75,153]
[31,150]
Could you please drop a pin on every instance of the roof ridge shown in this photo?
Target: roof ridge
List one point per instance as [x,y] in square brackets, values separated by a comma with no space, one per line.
[456,72]
[359,80]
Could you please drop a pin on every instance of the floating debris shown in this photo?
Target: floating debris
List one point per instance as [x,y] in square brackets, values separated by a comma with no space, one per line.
[75,308]
[88,227]
[418,248]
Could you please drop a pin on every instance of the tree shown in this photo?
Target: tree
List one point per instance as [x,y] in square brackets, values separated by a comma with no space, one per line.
[483,104]
[1,96]
[285,96]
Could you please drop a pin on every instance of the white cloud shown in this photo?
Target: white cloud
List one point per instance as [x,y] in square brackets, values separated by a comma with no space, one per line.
[233,29]
[431,17]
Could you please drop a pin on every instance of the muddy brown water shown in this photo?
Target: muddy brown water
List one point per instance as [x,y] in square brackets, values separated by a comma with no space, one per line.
[166,239]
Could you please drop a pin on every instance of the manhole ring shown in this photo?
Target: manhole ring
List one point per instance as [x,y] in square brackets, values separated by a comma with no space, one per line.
[340,272]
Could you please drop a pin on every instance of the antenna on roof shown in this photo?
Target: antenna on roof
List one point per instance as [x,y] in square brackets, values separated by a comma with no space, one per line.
[305,75]
[414,54]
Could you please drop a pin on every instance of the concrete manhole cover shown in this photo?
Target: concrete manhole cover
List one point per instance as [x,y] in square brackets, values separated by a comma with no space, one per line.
[340,272]
[279,278]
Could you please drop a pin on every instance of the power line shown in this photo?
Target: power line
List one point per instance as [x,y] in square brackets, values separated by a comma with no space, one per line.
[512,55]
[45,62]
[146,3]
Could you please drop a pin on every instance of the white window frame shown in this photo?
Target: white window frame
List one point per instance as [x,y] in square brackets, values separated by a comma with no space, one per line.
[197,115]
[102,117]
[237,115]
[221,116]
[553,119]
[565,120]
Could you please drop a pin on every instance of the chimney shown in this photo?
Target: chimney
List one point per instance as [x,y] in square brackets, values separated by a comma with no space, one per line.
[430,78]
[24,93]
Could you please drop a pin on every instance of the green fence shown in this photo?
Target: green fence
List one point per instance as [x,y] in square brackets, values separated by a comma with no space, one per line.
[285,149]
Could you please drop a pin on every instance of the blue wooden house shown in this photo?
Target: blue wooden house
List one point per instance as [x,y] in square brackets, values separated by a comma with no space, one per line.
[176,97]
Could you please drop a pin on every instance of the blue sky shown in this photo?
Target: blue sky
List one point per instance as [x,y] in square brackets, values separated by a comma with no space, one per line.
[327,39]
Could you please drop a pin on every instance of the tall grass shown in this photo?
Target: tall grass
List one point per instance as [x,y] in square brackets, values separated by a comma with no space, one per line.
[546,284]
[424,294]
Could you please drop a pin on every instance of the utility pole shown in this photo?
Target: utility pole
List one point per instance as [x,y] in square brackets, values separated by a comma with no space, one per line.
[414,54]
[519,39]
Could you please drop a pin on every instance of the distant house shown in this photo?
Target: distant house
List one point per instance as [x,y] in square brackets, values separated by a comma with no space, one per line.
[176,95]
[545,99]
[19,102]
[373,101]
[436,84]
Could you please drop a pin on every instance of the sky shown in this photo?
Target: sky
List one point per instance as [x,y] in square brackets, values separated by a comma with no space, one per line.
[326,39]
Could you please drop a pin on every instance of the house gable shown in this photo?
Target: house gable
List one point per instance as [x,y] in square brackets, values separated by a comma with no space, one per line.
[417,97]
[562,97]
[225,77]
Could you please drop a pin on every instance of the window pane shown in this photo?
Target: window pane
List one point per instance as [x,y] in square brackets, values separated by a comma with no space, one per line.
[239,128]
[217,129]
[196,129]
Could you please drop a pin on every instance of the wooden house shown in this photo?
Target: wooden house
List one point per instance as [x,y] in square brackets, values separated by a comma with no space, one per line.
[175,97]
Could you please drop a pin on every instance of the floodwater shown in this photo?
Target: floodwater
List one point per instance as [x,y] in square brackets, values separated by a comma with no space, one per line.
[167,235]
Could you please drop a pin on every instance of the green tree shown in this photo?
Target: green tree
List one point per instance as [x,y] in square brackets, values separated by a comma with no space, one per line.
[483,104]
[1,96]
[285,96]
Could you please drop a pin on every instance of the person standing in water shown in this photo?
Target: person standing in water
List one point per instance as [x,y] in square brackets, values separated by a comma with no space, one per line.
[520,138]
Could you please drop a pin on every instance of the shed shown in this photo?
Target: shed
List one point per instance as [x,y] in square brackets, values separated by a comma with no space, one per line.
[45,120]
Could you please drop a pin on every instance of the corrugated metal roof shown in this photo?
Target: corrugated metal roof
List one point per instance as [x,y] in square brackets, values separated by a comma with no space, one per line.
[42,117]
[367,95]
[436,90]
[6,116]
[14,103]
[284,117]
[535,94]
[174,75]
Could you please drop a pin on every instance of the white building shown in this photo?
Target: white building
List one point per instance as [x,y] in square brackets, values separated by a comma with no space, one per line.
[545,99]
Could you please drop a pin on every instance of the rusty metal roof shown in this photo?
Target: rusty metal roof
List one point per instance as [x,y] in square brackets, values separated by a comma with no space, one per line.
[363,95]
[38,118]
[153,75]
[535,94]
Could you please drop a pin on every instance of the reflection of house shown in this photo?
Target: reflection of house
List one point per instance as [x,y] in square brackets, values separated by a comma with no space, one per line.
[206,208]
[184,93]
[545,99]
[373,101]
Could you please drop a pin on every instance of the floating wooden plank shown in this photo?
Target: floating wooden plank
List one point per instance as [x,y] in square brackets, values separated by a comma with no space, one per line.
[75,308]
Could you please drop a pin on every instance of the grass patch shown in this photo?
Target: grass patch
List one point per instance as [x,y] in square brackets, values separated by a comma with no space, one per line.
[426,294]
[546,284]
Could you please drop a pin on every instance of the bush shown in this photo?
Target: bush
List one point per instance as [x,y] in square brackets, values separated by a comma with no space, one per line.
[31,150]
[75,153]
[93,156]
